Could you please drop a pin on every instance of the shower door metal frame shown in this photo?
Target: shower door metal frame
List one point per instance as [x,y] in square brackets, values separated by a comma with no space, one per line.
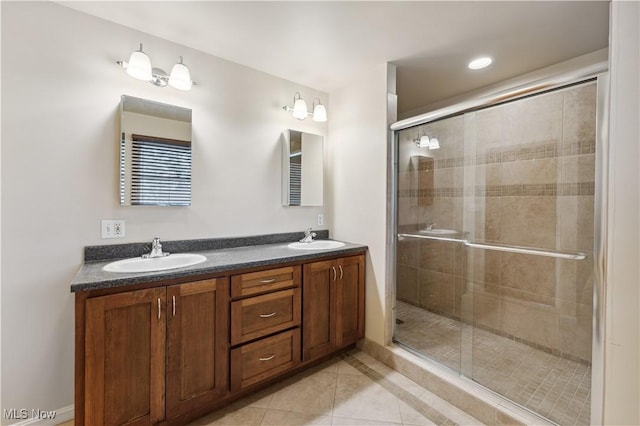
[597,71]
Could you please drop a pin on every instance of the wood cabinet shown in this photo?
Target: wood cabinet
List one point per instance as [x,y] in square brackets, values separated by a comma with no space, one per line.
[131,337]
[333,305]
[197,345]
[125,358]
[163,353]
[265,325]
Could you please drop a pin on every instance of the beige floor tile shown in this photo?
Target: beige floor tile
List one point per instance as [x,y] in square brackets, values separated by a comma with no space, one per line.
[330,366]
[233,416]
[291,418]
[345,368]
[313,394]
[357,397]
[260,399]
[343,421]
[412,417]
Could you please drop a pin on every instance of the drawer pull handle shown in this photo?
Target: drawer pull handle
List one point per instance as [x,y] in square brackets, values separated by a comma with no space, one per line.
[159,309]
[341,271]
[174,306]
[267,315]
[335,274]
[270,280]
[269,358]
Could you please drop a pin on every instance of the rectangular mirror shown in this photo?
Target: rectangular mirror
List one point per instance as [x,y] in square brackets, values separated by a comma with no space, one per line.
[155,153]
[302,169]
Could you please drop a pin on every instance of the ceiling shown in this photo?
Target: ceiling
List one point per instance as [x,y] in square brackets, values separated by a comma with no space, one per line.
[327,44]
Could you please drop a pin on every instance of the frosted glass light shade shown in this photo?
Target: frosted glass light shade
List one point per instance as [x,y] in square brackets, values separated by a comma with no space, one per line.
[139,65]
[424,141]
[320,113]
[180,77]
[300,109]
[434,144]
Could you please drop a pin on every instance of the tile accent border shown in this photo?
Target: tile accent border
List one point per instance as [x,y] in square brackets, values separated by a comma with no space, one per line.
[508,154]
[526,190]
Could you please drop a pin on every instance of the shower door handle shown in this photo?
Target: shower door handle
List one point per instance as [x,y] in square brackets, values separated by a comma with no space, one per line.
[498,247]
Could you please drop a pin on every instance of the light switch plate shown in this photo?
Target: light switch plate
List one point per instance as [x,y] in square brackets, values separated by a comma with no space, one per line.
[320,219]
[112,228]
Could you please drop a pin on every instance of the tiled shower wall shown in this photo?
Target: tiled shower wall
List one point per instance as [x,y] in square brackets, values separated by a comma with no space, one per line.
[522,174]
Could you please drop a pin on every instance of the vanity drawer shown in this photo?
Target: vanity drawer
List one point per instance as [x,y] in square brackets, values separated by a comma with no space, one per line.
[260,360]
[265,281]
[260,316]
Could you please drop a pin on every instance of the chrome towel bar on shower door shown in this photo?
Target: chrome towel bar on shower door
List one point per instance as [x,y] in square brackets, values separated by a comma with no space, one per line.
[506,248]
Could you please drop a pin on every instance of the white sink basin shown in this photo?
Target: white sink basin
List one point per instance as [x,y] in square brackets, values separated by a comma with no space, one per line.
[438,231]
[317,245]
[139,264]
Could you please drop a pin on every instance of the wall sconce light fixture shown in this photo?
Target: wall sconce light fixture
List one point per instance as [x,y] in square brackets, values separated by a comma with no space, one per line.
[139,66]
[425,142]
[300,111]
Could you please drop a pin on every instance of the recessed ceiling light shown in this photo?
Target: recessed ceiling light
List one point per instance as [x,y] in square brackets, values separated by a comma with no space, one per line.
[480,63]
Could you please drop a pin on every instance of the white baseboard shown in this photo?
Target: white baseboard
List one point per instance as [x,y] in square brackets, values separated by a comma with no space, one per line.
[63,414]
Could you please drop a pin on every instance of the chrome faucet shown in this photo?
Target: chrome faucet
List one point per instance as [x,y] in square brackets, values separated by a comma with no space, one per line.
[430,227]
[156,250]
[308,236]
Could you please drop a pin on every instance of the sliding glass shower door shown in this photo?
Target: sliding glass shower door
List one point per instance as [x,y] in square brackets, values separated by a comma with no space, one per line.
[495,247]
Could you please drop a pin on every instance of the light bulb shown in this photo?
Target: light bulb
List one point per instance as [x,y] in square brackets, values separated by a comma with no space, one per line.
[299,108]
[319,113]
[180,77]
[139,65]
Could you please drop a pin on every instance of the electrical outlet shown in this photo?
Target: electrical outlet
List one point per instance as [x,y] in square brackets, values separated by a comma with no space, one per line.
[112,229]
[320,219]
[118,228]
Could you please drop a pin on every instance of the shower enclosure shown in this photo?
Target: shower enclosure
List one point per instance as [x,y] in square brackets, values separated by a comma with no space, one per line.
[494,221]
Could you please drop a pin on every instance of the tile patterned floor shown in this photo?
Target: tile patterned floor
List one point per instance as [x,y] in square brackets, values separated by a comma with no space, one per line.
[353,389]
[556,388]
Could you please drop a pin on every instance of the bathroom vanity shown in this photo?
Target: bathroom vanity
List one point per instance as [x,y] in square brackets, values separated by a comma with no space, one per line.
[167,347]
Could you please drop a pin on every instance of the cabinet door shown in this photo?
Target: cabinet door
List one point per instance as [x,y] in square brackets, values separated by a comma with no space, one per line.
[350,300]
[197,344]
[318,306]
[125,358]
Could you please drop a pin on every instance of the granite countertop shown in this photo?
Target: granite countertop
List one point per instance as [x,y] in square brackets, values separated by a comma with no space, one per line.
[92,277]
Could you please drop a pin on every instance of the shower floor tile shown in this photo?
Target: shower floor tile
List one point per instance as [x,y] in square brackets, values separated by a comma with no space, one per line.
[556,388]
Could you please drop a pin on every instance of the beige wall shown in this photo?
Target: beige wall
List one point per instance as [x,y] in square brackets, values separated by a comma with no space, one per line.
[61,92]
[357,169]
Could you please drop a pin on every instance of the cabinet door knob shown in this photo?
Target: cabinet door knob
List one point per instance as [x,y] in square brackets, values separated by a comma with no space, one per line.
[341,271]
[269,358]
[267,315]
[159,308]
[335,274]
